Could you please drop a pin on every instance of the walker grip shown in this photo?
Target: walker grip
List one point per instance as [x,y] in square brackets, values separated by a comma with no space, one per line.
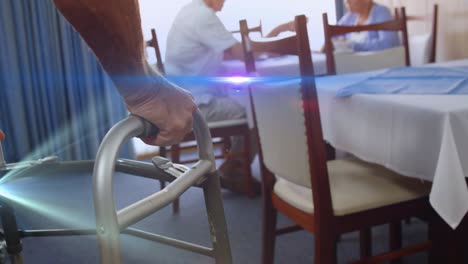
[148,128]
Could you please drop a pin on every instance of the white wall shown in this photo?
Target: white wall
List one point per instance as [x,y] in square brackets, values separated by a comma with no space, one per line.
[452,33]
[159,14]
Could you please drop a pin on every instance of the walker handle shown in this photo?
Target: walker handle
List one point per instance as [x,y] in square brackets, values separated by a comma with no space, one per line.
[148,129]
[109,222]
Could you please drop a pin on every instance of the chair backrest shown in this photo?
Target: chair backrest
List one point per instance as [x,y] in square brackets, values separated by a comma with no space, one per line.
[340,62]
[153,42]
[287,116]
[423,47]
[252,29]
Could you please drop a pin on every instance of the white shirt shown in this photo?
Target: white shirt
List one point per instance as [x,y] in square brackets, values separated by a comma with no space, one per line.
[195,47]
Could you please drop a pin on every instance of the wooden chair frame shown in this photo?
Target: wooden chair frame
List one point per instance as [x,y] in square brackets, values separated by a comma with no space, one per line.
[252,29]
[323,223]
[330,31]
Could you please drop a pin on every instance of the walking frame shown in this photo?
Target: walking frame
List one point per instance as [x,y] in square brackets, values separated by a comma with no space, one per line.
[110,222]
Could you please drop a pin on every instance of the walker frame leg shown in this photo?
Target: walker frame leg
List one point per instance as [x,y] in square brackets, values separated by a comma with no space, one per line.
[217,220]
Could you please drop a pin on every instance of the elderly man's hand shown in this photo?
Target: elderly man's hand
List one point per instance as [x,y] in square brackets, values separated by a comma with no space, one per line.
[285,27]
[171,109]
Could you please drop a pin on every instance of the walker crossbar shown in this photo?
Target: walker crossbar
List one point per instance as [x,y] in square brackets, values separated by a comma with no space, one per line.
[109,222]
[133,167]
[141,209]
[170,241]
[129,231]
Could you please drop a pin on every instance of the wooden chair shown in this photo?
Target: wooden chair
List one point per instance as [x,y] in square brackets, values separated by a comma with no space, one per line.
[252,29]
[221,131]
[325,198]
[428,41]
[339,62]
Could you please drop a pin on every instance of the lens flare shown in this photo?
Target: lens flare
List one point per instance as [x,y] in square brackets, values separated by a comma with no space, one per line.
[24,188]
[237,79]
[25,197]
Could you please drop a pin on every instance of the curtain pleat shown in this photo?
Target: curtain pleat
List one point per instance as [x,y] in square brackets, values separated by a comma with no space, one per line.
[55,98]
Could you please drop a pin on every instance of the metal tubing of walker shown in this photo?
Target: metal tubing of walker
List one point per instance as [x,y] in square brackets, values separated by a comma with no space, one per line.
[217,220]
[146,206]
[170,241]
[107,227]
[109,222]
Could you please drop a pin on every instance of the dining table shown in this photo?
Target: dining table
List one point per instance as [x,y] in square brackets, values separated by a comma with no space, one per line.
[420,132]
[418,129]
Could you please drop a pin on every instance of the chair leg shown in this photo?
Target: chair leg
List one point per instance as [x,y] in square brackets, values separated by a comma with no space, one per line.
[325,248]
[176,206]
[395,238]
[163,152]
[162,184]
[365,241]
[175,157]
[268,230]
[226,147]
[246,166]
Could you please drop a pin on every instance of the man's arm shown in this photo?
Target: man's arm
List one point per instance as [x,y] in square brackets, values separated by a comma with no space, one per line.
[113,31]
[235,52]
[289,26]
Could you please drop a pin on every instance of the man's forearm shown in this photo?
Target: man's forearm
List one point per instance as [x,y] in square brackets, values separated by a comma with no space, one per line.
[112,28]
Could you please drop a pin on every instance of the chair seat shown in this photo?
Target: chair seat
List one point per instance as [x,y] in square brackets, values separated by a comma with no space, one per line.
[356,186]
[227,123]
[420,47]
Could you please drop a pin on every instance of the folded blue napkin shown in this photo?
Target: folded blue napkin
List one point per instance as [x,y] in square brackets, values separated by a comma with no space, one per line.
[413,80]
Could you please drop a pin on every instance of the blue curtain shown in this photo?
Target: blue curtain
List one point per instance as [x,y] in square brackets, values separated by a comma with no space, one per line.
[54,96]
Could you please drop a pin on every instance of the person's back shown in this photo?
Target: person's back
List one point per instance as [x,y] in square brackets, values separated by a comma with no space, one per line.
[196,44]
[196,41]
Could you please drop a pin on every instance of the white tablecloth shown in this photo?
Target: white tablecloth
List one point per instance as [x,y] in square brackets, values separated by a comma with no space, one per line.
[279,66]
[421,136]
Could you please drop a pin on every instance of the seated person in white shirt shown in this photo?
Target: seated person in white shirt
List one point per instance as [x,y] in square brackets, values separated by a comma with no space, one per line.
[197,43]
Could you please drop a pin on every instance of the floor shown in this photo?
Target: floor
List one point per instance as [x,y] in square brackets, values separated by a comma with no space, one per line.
[65,200]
